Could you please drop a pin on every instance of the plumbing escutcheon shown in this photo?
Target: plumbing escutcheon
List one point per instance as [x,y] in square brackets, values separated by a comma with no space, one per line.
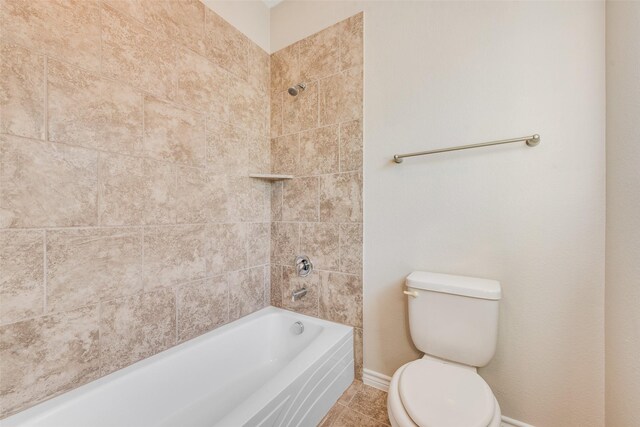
[304,266]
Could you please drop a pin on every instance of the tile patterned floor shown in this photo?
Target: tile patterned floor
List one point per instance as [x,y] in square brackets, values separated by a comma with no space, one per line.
[359,406]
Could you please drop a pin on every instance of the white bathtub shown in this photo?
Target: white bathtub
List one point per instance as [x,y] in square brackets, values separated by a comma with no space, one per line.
[255,371]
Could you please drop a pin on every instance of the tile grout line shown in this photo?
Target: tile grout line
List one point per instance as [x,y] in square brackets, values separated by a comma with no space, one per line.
[175,295]
[100,356]
[205,167]
[143,261]
[99,74]
[145,93]
[144,114]
[143,291]
[129,226]
[366,416]
[178,43]
[102,31]
[319,183]
[340,147]
[45,272]
[98,190]
[339,247]
[228,280]
[46,97]
[177,165]
[317,126]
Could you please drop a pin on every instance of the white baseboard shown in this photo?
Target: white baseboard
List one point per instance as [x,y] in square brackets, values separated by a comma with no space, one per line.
[381,382]
[510,422]
[375,379]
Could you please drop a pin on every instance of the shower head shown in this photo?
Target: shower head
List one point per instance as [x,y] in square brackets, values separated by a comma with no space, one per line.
[294,90]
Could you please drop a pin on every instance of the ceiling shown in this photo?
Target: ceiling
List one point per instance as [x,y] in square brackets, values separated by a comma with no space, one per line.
[271,3]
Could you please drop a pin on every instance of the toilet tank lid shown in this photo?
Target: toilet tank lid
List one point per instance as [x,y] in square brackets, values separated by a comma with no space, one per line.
[456,285]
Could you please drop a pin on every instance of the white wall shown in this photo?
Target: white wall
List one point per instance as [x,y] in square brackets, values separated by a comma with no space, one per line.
[623,215]
[249,16]
[445,73]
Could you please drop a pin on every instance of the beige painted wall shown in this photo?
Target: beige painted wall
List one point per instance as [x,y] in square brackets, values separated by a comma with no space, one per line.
[623,215]
[446,73]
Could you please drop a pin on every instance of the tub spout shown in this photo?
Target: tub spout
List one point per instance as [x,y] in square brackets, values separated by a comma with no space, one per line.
[296,295]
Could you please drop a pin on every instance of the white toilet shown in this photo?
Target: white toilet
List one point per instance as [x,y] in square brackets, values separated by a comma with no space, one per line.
[454,321]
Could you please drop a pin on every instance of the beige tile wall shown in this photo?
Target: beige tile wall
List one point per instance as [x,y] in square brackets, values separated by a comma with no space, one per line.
[127,221]
[317,137]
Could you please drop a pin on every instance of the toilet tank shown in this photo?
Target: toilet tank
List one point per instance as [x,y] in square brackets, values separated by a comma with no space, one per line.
[454,317]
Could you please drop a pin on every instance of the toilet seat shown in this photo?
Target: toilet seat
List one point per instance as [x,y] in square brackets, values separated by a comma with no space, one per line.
[428,393]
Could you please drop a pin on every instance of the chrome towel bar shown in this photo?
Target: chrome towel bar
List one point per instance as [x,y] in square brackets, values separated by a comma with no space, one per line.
[531,141]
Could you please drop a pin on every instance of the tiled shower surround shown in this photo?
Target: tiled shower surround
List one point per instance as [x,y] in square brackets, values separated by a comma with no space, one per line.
[317,137]
[128,222]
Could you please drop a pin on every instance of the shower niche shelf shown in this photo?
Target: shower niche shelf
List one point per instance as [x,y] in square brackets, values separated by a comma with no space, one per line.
[270,176]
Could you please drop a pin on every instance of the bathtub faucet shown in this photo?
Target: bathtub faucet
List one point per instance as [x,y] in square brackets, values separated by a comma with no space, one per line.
[296,295]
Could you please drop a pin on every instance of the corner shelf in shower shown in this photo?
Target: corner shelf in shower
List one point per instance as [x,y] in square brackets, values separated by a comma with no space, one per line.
[270,176]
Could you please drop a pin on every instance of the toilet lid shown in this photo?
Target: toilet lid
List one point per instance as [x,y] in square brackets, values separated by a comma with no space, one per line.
[436,394]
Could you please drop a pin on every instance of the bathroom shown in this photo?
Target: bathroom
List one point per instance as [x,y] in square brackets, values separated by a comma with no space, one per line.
[208,216]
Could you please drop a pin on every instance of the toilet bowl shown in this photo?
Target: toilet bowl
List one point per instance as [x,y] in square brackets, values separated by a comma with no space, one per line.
[453,320]
[429,393]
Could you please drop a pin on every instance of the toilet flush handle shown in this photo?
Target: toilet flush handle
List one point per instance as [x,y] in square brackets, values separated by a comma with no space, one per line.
[411,293]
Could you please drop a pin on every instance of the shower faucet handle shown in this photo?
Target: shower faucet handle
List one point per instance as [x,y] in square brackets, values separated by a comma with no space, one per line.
[304,265]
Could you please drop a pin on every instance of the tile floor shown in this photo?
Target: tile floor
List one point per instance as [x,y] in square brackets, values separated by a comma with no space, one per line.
[359,406]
